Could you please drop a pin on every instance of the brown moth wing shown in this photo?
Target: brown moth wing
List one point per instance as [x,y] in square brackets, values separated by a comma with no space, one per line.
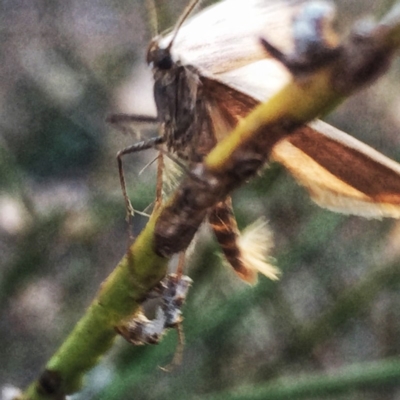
[340,172]
[227,107]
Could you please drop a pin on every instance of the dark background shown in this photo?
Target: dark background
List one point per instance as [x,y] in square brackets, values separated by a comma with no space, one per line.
[64,65]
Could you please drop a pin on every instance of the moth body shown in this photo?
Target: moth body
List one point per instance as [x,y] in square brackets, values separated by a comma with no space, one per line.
[191,127]
[212,73]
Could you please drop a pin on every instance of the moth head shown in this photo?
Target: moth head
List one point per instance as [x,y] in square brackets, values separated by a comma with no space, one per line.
[159,57]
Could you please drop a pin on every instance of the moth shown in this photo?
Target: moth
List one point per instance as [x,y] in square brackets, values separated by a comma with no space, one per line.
[172,291]
[209,72]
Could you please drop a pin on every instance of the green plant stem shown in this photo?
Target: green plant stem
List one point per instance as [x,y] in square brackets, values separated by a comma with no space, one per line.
[118,298]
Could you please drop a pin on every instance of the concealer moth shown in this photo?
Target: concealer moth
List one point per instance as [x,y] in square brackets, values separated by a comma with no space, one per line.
[210,73]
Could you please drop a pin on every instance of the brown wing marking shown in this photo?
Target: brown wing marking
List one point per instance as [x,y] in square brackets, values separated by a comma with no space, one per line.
[223,223]
[340,172]
[227,106]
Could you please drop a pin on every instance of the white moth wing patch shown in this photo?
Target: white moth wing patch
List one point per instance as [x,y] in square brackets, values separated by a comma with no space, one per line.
[222,43]
[225,36]
[259,80]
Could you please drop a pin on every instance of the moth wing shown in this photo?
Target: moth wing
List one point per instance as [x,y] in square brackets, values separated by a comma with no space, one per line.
[340,172]
[225,36]
[260,79]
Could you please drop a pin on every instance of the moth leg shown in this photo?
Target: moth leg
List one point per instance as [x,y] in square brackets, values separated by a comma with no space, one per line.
[175,296]
[247,253]
[178,355]
[127,122]
[124,122]
[181,264]
[145,145]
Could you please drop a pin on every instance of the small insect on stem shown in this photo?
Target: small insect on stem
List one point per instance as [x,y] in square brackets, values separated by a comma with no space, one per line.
[172,291]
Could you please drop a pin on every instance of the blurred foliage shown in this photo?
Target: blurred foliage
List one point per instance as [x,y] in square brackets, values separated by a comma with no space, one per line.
[65,65]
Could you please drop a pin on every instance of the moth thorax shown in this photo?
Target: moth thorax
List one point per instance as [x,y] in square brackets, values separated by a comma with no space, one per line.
[160,58]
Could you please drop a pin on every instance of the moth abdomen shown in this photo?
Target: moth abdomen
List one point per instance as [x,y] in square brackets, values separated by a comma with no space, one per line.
[223,224]
[246,252]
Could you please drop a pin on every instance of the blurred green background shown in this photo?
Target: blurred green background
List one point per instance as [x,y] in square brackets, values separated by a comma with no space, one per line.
[332,318]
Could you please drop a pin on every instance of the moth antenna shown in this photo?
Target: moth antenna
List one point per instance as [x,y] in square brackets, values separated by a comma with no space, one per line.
[181,264]
[153,17]
[182,19]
